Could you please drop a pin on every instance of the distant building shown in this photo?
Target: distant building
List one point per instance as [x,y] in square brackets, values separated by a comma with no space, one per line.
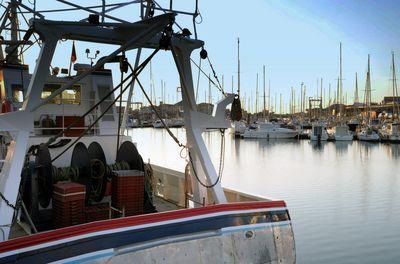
[391,99]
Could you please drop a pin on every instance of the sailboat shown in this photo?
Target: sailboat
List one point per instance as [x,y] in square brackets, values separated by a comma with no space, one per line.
[367,133]
[341,131]
[238,126]
[354,122]
[390,131]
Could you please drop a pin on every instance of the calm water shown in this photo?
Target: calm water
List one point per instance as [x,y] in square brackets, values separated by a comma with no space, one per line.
[343,197]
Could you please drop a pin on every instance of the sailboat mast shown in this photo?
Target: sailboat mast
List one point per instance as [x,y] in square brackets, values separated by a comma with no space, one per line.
[264,91]
[368,89]
[238,55]
[341,76]
[394,87]
[256,111]
[356,100]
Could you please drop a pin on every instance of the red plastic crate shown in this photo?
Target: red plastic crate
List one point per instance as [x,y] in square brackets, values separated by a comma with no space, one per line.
[128,191]
[97,212]
[68,204]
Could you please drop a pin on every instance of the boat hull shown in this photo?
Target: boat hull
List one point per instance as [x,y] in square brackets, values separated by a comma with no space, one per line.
[343,138]
[251,232]
[270,135]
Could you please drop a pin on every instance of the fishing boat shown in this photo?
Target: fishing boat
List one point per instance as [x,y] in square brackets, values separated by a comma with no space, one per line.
[270,130]
[74,188]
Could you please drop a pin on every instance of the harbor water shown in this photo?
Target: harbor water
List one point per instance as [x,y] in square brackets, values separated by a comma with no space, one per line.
[343,197]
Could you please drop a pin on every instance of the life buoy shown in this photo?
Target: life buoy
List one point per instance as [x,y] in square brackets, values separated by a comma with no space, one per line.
[6,106]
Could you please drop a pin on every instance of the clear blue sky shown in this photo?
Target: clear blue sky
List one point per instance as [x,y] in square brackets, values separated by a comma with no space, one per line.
[298,41]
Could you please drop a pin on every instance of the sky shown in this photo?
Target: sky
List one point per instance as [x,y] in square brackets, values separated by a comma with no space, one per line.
[297,41]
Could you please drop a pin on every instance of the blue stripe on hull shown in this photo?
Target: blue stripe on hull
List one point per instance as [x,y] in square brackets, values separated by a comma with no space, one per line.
[129,237]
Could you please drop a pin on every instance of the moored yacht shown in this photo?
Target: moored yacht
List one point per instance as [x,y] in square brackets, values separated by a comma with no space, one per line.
[390,132]
[368,134]
[238,128]
[318,132]
[270,130]
[342,133]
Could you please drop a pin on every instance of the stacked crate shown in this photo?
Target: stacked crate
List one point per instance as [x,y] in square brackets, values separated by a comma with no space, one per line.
[97,212]
[68,204]
[128,192]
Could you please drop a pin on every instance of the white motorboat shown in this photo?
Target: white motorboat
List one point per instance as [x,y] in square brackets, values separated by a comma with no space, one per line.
[238,128]
[318,132]
[159,124]
[270,130]
[368,134]
[342,133]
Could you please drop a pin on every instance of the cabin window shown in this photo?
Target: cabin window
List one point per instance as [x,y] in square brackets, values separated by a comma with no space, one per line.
[69,96]
[72,95]
[17,93]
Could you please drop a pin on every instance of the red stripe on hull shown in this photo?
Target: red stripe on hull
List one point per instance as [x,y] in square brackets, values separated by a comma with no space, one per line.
[78,230]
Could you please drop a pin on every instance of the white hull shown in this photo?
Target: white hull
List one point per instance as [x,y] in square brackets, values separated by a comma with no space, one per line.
[343,138]
[369,138]
[324,137]
[270,135]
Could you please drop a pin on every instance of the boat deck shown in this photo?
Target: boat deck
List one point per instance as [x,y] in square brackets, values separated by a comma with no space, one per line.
[162,205]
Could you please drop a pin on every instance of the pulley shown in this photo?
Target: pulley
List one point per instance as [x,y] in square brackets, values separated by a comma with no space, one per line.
[203,54]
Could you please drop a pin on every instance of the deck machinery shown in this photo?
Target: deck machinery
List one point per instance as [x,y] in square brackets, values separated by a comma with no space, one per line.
[79,144]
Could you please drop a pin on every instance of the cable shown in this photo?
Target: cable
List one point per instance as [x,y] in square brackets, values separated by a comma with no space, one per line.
[206,75]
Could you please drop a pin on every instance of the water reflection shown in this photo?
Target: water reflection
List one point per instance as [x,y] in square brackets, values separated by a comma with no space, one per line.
[352,186]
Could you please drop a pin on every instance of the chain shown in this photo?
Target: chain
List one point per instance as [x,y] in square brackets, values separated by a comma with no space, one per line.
[8,202]
[221,164]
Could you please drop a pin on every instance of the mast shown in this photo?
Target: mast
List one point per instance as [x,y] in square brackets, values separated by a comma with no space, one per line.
[368,89]
[256,111]
[238,55]
[269,96]
[340,82]
[394,88]
[264,91]
[232,85]
[356,99]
